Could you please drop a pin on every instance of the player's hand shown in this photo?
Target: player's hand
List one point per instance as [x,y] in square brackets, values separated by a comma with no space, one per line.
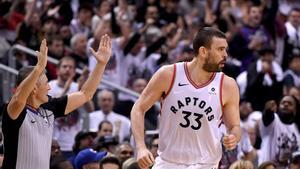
[104,50]
[42,55]
[145,158]
[229,141]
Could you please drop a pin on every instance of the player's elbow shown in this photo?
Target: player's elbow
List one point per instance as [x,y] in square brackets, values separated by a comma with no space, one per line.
[137,110]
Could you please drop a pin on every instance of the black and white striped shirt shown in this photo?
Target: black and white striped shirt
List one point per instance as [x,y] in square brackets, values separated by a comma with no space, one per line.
[27,139]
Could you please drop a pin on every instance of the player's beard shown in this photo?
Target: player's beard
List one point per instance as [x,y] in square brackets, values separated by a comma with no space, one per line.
[209,66]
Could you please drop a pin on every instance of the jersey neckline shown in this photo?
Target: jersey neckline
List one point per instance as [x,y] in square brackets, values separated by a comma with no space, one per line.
[193,83]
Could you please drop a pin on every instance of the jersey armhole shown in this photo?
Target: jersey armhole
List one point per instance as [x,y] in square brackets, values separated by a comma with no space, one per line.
[172,82]
[221,98]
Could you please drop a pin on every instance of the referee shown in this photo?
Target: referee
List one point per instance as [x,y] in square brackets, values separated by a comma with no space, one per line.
[28,117]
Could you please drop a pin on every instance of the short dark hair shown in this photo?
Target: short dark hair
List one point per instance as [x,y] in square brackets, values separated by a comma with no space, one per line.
[53,38]
[103,122]
[110,160]
[66,58]
[253,5]
[87,7]
[56,161]
[204,38]
[294,9]
[154,137]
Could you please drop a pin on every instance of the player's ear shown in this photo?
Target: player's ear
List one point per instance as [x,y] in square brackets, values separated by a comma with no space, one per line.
[202,51]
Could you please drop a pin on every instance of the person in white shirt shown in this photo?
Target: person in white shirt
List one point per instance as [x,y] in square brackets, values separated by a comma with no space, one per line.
[121,124]
[280,131]
[66,128]
[59,87]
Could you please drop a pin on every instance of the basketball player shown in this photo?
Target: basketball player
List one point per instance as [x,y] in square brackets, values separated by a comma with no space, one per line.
[29,116]
[196,97]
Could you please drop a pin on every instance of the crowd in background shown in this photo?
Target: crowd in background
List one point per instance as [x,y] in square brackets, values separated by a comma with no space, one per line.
[264,58]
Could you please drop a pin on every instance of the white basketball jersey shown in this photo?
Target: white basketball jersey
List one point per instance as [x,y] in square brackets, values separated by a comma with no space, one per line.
[190,119]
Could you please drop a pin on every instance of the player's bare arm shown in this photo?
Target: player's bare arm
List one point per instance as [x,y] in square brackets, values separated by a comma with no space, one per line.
[87,91]
[231,115]
[157,86]
[18,100]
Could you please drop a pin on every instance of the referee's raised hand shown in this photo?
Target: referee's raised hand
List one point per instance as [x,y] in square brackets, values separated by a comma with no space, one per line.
[42,55]
[103,53]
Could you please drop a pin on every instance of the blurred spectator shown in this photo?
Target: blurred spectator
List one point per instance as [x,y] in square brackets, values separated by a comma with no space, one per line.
[121,124]
[55,149]
[56,47]
[169,13]
[285,6]
[102,10]
[294,91]
[29,30]
[65,34]
[250,120]
[88,159]
[110,162]
[154,145]
[78,46]
[107,143]
[192,9]
[59,162]
[66,128]
[111,69]
[124,151]
[241,164]
[49,26]
[124,106]
[280,131]
[267,165]
[295,160]
[82,24]
[130,163]
[292,74]
[250,38]
[12,13]
[105,129]
[292,41]
[83,140]
[22,59]
[264,80]
[185,55]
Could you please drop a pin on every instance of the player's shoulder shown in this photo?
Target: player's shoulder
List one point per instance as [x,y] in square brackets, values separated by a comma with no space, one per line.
[227,80]
[166,70]
[229,83]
